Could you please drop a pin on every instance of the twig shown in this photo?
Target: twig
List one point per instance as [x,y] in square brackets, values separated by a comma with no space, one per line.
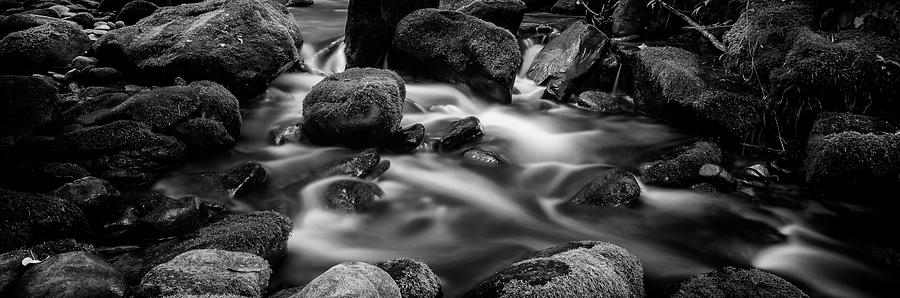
[694,25]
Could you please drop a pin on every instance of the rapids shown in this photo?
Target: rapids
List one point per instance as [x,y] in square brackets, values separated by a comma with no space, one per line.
[467,222]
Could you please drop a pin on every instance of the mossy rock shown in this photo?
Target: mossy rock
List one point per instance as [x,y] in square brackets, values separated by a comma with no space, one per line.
[28,218]
[762,36]
[414,278]
[732,282]
[680,167]
[41,48]
[208,272]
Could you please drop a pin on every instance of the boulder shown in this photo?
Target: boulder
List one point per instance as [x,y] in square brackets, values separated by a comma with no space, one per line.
[610,188]
[72,274]
[370,28]
[576,269]
[208,272]
[26,104]
[462,132]
[351,279]
[38,49]
[22,21]
[350,195]
[671,84]
[203,135]
[599,101]
[29,218]
[172,217]
[94,196]
[414,278]
[733,282]
[40,176]
[506,14]
[358,108]
[630,17]
[457,48]
[134,11]
[217,40]
[567,59]
[680,167]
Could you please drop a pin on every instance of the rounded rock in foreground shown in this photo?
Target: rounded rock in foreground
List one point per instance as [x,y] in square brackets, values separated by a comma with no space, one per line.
[358,108]
[73,274]
[351,279]
[209,272]
[611,188]
[415,279]
[732,282]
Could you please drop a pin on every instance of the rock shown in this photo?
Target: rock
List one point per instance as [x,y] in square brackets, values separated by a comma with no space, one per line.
[203,135]
[29,218]
[22,21]
[732,282]
[220,186]
[538,5]
[72,274]
[482,158]
[569,7]
[630,17]
[40,176]
[704,187]
[172,218]
[51,248]
[93,195]
[208,272]
[38,49]
[718,176]
[599,101]
[11,268]
[287,133]
[300,3]
[762,36]
[26,104]
[83,62]
[850,156]
[370,28]
[84,19]
[576,269]
[101,76]
[457,48]
[408,139]
[286,293]
[462,132]
[671,84]
[414,278]
[358,108]
[351,195]
[134,11]
[224,47]
[610,188]
[506,14]
[566,61]
[351,279]
[680,167]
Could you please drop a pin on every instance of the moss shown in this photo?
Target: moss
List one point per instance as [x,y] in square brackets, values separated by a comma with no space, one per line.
[506,14]
[159,108]
[415,279]
[111,137]
[852,163]
[732,282]
[679,168]
[38,49]
[27,218]
[763,34]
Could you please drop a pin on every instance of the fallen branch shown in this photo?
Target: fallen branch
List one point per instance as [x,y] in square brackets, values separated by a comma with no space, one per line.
[694,25]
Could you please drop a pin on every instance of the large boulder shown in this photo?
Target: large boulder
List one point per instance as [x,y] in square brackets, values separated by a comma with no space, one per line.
[208,272]
[26,103]
[568,58]
[457,48]
[240,44]
[670,83]
[351,279]
[850,156]
[358,108]
[22,21]
[72,274]
[506,14]
[610,188]
[28,218]
[414,278]
[576,269]
[370,28]
[38,49]
[732,282]
[680,167]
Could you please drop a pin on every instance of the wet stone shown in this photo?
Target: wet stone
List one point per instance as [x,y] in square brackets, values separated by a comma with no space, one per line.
[350,195]
[462,132]
[173,217]
[482,158]
[414,278]
[610,188]
[408,139]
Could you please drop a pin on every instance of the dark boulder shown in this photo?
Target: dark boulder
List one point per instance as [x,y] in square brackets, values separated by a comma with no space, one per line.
[172,217]
[84,19]
[414,278]
[217,40]
[350,195]
[630,17]
[100,76]
[457,48]
[610,188]
[203,135]
[208,272]
[22,21]
[370,28]
[29,218]
[221,186]
[38,49]
[134,11]
[11,268]
[408,139]
[732,282]
[506,14]
[72,274]
[576,269]
[351,279]
[40,176]
[680,167]
[358,108]
[26,104]
[299,3]
[462,132]
[599,101]
[568,59]
[93,195]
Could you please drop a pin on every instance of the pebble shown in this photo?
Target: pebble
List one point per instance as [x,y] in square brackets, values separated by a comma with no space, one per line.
[102,27]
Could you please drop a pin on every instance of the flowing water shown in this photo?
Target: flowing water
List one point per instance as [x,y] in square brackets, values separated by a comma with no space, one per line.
[467,222]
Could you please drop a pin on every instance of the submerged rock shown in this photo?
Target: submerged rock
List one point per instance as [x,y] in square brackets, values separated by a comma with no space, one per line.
[681,166]
[462,132]
[599,101]
[38,49]
[208,272]
[506,14]
[26,104]
[358,108]
[226,184]
[351,279]
[576,269]
[217,40]
[482,158]
[370,28]
[415,279]
[351,195]
[732,282]
[457,48]
[610,188]
[29,218]
[566,61]
[72,274]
